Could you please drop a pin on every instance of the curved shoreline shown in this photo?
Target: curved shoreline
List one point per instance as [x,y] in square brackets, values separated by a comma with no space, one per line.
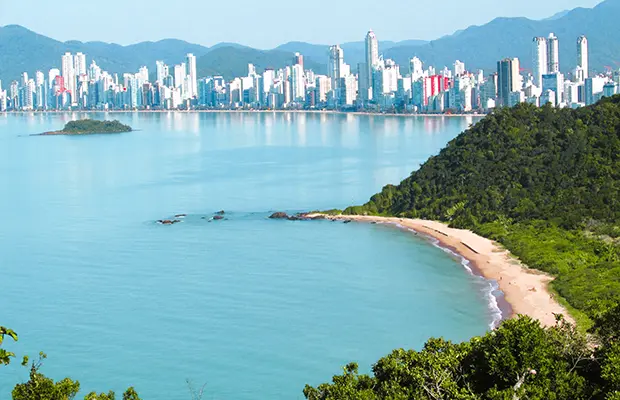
[524,290]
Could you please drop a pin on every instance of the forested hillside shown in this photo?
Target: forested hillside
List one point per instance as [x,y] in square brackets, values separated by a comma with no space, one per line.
[542,181]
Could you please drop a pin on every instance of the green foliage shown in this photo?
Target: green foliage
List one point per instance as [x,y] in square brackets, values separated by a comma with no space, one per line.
[40,387]
[5,356]
[519,360]
[544,182]
[102,396]
[84,126]
[131,394]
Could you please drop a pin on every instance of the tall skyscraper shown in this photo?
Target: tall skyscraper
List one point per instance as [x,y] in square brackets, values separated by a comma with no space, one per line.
[582,56]
[161,70]
[553,54]
[298,59]
[336,59]
[540,60]
[79,64]
[191,74]
[372,58]
[179,75]
[459,68]
[508,80]
[298,84]
[416,68]
[68,73]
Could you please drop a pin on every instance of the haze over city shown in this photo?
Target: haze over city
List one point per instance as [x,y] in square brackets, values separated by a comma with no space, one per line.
[265,26]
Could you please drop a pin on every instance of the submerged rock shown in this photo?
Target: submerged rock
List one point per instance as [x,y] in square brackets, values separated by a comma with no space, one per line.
[168,221]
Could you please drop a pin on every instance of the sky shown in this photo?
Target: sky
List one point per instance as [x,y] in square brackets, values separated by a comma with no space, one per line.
[264,24]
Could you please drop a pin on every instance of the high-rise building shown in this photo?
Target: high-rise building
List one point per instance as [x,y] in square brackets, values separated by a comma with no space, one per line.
[298,83]
[68,74]
[372,58]
[553,54]
[540,60]
[582,56]
[191,74]
[162,71]
[416,68]
[179,75]
[79,64]
[336,60]
[508,80]
[298,59]
[459,68]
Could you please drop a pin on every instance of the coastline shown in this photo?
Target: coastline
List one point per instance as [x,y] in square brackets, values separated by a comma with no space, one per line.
[524,291]
[412,115]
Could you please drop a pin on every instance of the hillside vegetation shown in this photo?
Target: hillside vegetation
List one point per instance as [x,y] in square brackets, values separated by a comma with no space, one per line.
[542,181]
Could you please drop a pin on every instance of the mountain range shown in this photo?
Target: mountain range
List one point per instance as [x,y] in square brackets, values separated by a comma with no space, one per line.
[480,47]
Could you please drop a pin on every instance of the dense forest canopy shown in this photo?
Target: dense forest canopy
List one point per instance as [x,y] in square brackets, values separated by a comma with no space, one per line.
[94,126]
[542,181]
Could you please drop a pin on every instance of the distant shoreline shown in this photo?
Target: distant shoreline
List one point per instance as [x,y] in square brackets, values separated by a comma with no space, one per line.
[240,112]
[525,291]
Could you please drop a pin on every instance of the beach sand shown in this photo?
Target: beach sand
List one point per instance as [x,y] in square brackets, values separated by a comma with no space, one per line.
[525,290]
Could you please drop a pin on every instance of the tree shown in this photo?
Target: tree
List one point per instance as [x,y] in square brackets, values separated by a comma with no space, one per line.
[40,387]
[5,356]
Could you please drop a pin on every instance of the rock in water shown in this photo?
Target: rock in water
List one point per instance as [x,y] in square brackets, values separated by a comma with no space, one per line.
[279,215]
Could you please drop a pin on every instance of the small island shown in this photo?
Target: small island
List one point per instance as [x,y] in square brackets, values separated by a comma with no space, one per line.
[91,126]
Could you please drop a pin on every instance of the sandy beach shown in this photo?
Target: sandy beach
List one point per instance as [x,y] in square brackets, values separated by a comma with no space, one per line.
[524,289]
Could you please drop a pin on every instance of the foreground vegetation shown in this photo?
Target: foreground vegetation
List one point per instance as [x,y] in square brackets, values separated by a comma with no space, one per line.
[89,126]
[519,360]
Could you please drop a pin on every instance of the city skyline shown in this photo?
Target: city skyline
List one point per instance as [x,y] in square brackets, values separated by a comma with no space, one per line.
[394,25]
[375,84]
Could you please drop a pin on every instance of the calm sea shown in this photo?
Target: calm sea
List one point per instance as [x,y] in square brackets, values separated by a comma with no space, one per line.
[252,307]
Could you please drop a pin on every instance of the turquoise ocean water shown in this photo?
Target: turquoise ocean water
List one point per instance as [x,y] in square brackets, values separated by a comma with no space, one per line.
[252,307]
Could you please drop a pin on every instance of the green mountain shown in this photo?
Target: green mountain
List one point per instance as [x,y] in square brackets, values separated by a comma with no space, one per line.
[480,47]
[354,52]
[23,50]
[544,182]
[231,61]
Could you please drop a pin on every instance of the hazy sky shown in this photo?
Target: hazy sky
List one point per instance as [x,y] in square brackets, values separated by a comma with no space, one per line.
[264,24]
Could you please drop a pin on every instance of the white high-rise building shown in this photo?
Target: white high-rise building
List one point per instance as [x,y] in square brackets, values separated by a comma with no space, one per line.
[68,73]
[179,75]
[191,74]
[372,58]
[298,83]
[143,75]
[336,61]
[161,70]
[416,69]
[582,56]
[540,60]
[459,68]
[51,76]
[553,54]
[79,64]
